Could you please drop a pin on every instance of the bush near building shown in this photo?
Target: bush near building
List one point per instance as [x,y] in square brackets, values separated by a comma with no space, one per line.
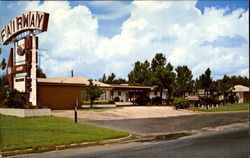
[156,100]
[181,103]
[211,100]
[143,100]
[12,98]
[98,102]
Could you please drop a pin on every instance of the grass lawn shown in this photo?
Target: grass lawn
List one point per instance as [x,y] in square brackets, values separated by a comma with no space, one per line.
[227,107]
[20,133]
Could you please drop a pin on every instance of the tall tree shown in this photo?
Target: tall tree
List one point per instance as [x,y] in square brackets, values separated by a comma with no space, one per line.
[141,74]
[93,91]
[3,63]
[110,78]
[40,73]
[159,72]
[162,73]
[184,81]
[224,86]
[159,61]
[3,88]
[205,80]
[205,83]
[240,80]
[170,80]
[103,79]
[119,81]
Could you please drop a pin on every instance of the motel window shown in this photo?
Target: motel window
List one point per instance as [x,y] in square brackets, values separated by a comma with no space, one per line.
[111,93]
[119,93]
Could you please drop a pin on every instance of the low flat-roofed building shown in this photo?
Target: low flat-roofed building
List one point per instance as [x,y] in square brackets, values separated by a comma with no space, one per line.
[242,92]
[62,92]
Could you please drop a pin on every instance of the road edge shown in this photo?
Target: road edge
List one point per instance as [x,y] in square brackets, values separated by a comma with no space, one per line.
[62,147]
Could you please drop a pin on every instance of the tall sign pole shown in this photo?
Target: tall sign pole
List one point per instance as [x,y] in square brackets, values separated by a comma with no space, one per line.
[33,95]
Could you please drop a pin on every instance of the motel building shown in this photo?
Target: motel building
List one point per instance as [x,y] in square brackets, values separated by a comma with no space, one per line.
[62,92]
[242,92]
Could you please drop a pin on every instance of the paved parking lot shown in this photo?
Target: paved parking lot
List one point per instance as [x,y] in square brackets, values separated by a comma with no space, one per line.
[174,124]
[156,120]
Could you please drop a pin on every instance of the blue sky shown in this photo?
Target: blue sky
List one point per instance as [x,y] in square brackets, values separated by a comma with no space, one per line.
[100,37]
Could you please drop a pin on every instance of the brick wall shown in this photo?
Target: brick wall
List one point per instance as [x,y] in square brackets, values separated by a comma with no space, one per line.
[58,96]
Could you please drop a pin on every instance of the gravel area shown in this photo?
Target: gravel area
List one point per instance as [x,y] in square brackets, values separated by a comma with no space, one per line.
[134,112]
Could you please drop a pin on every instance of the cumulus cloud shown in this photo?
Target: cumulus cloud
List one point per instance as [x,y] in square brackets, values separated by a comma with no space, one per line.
[184,29]
[176,28]
[111,10]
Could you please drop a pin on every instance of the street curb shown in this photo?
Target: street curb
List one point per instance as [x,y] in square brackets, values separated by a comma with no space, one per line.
[203,112]
[61,147]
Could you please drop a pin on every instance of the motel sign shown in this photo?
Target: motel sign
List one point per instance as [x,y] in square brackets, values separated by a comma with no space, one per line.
[22,64]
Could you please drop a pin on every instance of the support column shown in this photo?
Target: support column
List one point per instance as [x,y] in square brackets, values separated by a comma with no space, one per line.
[33,93]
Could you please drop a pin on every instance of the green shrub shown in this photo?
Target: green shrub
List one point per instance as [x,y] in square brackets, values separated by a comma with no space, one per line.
[157,100]
[168,101]
[111,102]
[98,102]
[181,103]
[210,100]
[143,100]
[3,94]
[231,98]
[116,99]
[15,99]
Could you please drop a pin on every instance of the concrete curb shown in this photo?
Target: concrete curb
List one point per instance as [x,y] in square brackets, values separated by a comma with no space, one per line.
[61,147]
[203,112]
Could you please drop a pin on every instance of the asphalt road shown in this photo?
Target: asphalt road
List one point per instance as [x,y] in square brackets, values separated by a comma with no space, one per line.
[173,124]
[232,143]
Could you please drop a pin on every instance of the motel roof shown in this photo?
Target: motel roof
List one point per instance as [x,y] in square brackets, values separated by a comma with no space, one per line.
[84,81]
[240,88]
[71,80]
[126,86]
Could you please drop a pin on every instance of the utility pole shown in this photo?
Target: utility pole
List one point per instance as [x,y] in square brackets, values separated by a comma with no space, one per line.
[39,56]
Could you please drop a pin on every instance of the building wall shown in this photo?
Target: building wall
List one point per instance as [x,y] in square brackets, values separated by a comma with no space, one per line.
[246,97]
[243,97]
[58,96]
[153,94]
[122,94]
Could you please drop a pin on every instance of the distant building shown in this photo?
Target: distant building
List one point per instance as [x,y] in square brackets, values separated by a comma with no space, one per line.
[242,92]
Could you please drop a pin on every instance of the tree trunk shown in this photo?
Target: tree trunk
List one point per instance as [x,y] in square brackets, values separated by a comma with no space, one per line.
[91,103]
[169,95]
[161,94]
[224,98]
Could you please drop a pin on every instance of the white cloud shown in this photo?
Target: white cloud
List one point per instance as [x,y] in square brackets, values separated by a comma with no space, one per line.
[175,28]
[71,37]
[111,10]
